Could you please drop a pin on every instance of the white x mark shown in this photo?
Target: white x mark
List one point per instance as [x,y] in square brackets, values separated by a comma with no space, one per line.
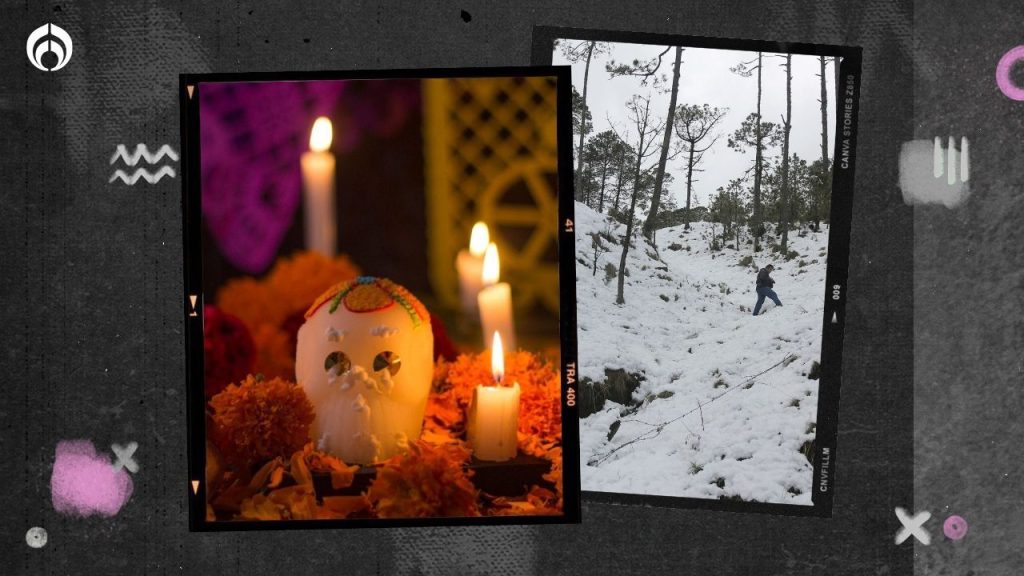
[913,526]
[124,456]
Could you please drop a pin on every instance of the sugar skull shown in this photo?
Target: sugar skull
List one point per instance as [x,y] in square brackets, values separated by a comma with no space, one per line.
[365,359]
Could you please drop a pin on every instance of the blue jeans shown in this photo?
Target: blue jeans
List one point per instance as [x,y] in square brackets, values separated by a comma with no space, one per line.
[765,292]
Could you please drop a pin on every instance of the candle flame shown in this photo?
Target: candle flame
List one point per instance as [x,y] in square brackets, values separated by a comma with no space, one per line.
[497,358]
[479,239]
[492,268]
[321,136]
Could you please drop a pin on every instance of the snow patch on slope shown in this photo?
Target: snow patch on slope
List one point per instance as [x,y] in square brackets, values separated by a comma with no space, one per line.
[687,327]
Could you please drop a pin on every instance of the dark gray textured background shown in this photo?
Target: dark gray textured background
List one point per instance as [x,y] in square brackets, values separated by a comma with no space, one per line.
[969,298]
[90,281]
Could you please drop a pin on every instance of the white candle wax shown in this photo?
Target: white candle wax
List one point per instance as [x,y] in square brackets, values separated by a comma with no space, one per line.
[494,413]
[470,264]
[494,422]
[495,302]
[318,191]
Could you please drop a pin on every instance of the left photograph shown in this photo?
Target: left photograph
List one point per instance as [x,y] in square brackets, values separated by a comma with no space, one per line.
[373,298]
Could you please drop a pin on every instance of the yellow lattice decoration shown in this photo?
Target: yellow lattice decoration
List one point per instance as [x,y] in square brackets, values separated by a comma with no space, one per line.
[492,156]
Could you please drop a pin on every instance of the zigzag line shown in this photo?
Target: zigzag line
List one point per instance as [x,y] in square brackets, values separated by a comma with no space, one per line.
[142,173]
[141,151]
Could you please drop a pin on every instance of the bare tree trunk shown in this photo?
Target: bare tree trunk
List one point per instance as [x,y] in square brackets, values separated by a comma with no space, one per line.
[824,139]
[659,176]
[832,168]
[824,114]
[604,179]
[583,122]
[618,184]
[689,185]
[784,201]
[835,64]
[620,298]
[758,162]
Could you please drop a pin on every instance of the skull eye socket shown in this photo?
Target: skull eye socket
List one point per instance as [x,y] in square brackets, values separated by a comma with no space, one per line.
[388,360]
[338,361]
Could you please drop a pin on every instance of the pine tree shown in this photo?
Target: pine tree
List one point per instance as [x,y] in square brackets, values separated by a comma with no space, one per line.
[786,128]
[756,134]
[647,131]
[623,175]
[693,126]
[648,69]
[602,154]
[582,51]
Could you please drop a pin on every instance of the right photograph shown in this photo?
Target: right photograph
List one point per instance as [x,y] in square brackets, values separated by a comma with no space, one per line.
[712,230]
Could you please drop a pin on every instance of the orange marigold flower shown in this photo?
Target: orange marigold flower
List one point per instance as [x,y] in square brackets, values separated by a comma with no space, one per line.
[275,355]
[427,481]
[270,306]
[445,413]
[251,300]
[261,420]
[297,280]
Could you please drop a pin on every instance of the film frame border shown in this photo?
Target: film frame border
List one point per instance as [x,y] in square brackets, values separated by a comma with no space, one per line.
[844,139]
[191,209]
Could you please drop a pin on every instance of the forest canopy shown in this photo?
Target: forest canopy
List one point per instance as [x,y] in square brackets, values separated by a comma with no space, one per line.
[669,135]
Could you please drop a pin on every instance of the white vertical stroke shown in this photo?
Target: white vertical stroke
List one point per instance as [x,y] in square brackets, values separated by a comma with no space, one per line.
[951,162]
[937,158]
[965,159]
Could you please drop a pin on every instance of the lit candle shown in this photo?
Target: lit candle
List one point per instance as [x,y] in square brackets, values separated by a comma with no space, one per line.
[494,413]
[495,301]
[318,184]
[470,265]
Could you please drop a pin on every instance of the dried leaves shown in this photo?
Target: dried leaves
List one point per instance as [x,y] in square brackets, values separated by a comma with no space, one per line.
[282,489]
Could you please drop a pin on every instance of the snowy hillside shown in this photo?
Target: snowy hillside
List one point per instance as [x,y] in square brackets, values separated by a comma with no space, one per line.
[732,388]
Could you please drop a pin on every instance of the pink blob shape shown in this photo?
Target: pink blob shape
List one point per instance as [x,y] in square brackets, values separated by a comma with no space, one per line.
[84,483]
[1007,86]
[954,527]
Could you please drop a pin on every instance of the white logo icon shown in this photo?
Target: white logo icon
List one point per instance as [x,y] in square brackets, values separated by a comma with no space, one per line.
[48,38]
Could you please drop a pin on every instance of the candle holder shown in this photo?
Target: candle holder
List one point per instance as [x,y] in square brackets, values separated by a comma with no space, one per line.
[509,478]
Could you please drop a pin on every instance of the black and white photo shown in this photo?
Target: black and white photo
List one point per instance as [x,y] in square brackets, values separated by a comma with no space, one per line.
[708,265]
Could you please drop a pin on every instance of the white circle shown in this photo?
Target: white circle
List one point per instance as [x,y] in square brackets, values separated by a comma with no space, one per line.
[36,537]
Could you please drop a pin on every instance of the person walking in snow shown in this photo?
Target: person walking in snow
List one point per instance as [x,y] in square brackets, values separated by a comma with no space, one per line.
[764,288]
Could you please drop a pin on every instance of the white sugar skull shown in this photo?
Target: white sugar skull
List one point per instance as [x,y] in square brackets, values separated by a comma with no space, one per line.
[365,358]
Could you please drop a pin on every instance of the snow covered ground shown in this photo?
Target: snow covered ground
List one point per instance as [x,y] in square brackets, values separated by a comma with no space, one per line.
[687,326]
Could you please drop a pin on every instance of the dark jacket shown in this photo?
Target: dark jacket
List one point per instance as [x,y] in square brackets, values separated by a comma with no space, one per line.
[764,280]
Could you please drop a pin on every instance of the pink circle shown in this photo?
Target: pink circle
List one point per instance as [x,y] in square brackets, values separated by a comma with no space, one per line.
[954,528]
[1007,86]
